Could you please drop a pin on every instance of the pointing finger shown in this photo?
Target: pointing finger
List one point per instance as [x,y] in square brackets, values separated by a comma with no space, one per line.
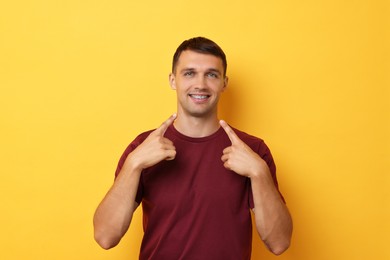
[229,131]
[164,126]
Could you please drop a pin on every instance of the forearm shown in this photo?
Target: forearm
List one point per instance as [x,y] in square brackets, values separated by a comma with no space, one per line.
[273,220]
[113,216]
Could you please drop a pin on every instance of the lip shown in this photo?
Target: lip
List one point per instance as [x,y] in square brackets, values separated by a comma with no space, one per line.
[199,97]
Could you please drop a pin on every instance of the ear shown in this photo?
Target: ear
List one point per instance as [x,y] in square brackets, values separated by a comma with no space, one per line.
[172,81]
[225,83]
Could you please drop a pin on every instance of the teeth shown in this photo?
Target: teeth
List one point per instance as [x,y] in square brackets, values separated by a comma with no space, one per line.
[199,96]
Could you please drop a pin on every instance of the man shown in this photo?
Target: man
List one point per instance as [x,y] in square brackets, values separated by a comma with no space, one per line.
[197,177]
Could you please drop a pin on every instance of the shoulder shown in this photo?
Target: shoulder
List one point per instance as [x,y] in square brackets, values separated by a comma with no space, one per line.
[138,140]
[256,143]
[259,146]
[142,136]
[131,147]
[248,138]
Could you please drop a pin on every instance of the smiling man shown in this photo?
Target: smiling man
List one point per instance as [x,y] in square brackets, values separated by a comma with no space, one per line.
[196,177]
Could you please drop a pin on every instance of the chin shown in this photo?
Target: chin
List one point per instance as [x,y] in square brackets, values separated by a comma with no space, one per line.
[200,114]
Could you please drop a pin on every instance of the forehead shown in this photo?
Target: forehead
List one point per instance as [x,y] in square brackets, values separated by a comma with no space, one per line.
[196,60]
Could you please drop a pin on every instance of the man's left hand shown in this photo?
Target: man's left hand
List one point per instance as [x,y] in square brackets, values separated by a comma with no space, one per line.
[239,157]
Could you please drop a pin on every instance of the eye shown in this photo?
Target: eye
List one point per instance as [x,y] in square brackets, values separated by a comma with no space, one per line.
[212,75]
[188,73]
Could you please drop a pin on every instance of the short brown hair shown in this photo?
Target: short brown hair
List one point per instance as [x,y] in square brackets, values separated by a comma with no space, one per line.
[201,45]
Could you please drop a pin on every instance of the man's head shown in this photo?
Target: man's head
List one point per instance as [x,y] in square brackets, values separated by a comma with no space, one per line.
[200,45]
[198,77]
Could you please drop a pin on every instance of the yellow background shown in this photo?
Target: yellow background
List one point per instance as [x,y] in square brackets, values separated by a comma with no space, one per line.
[80,79]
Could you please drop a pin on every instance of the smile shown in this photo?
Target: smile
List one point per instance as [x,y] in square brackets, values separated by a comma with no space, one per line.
[199,97]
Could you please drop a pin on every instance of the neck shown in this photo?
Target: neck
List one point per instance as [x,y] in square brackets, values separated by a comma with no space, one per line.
[196,126]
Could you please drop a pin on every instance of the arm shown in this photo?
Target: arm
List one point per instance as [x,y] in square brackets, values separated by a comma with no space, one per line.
[114,214]
[273,220]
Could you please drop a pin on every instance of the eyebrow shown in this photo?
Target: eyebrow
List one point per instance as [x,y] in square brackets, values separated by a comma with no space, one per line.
[207,70]
[187,69]
[214,70]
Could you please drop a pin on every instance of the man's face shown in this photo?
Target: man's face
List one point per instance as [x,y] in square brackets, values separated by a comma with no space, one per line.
[199,80]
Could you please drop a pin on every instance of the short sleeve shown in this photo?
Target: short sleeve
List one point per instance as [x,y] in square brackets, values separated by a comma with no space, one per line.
[264,152]
[131,147]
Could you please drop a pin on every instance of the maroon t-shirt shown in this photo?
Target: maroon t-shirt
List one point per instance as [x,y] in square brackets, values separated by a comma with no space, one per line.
[194,208]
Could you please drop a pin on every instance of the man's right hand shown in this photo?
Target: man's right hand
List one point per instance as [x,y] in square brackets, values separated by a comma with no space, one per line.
[154,149]
[113,215]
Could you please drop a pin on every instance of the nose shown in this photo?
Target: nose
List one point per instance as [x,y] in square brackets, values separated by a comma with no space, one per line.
[201,82]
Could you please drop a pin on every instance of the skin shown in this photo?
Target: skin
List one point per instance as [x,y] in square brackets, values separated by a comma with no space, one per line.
[203,75]
[114,214]
[199,81]
[273,220]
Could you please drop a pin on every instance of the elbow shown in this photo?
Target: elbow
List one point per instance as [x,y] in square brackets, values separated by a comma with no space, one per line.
[280,248]
[105,244]
[279,242]
[278,245]
[106,235]
[104,241]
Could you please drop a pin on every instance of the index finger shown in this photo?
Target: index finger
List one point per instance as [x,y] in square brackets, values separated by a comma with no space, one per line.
[164,126]
[229,131]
